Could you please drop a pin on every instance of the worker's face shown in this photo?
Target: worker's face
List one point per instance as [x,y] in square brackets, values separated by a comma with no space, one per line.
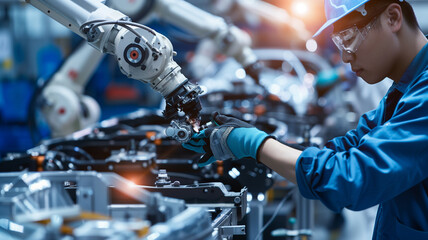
[374,59]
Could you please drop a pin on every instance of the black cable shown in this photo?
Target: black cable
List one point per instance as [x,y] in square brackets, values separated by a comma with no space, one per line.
[118,22]
[88,23]
[123,24]
[139,25]
[64,148]
[289,194]
[98,23]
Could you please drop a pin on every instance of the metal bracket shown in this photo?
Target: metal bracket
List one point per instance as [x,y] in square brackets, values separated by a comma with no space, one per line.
[232,230]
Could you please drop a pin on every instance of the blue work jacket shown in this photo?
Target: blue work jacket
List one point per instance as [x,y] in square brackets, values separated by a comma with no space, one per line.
[379,162]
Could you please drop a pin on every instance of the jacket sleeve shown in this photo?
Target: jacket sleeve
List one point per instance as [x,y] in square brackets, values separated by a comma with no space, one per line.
[351,139]
[376,167]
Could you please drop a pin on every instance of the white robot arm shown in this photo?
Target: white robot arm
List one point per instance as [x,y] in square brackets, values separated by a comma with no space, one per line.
[141,52]
[228,39]
[63,104]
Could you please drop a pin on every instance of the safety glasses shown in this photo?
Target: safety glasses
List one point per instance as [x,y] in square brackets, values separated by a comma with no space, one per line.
[350,39]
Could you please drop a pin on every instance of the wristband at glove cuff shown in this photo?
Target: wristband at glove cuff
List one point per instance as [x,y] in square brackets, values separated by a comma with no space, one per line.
[218,144]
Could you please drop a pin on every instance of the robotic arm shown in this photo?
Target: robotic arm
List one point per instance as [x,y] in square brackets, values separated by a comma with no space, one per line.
[63,104]
[228,39]
[141,52]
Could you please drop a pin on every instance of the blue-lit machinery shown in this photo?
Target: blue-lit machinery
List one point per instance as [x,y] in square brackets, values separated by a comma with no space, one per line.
[140,146]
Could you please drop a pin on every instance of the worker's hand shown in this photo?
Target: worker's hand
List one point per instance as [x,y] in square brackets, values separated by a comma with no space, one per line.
[227,138]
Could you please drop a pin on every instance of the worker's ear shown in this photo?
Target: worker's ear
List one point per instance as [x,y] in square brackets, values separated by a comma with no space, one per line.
[394,16]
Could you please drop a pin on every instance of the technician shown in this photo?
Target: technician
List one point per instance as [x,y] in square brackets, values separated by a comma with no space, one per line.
[385,159]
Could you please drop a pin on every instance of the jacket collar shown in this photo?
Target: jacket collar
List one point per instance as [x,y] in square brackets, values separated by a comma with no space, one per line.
[416,67]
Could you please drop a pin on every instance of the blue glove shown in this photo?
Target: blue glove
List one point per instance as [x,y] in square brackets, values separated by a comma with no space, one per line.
[228,138]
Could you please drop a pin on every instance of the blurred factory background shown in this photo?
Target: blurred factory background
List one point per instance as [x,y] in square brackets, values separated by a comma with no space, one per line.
[33,46]
[308,87]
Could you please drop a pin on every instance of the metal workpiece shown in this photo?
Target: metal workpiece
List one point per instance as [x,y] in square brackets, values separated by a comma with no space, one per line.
[226,208]
[165,212]
[179,131]
[162,178]
[192,223]
[232,230]
[213,194]
[145,158]
[26,197]
[156,204]
[106,229]
[225,225]
[92,194]
[145,154]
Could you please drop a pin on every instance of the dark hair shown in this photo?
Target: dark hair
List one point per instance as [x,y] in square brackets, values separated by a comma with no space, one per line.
[406,8]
